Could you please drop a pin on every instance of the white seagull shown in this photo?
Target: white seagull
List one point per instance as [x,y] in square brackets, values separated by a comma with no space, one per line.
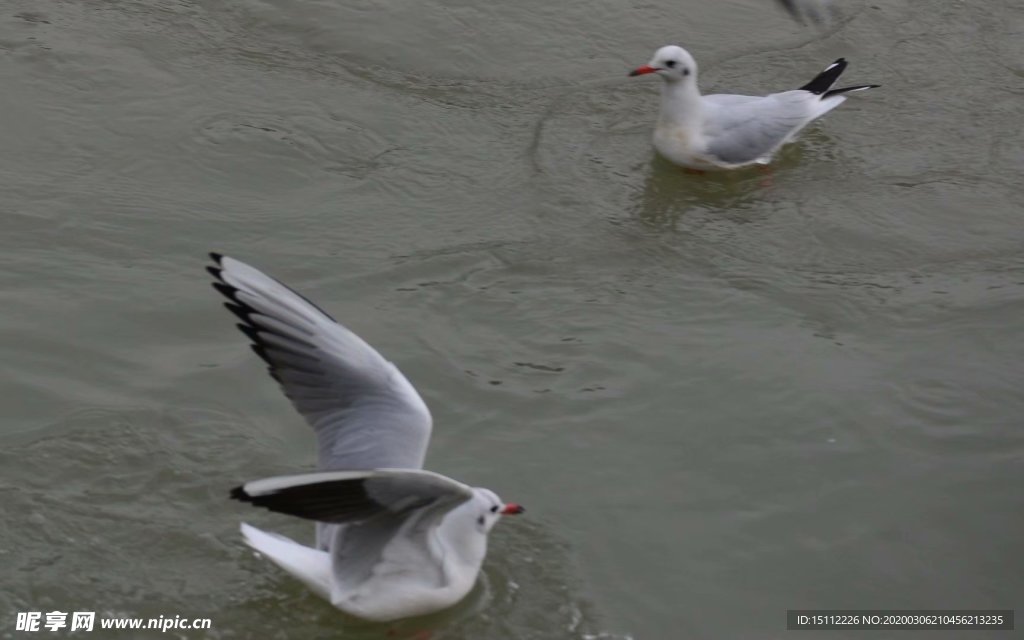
[725,131]
[393,540]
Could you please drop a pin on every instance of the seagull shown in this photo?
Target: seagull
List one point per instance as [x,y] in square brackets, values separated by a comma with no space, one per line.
[725,131]
[393,541]
[803,10]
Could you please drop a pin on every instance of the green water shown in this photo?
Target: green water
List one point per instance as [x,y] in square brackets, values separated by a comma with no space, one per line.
[719,398]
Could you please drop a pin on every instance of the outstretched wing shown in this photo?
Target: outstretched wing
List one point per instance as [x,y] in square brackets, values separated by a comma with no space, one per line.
[365,413]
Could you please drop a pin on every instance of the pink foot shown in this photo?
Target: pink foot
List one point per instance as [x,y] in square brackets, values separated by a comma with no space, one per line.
[693,172]
[766,170]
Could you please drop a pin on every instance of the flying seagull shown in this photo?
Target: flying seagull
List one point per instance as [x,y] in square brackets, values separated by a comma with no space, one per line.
[393,540]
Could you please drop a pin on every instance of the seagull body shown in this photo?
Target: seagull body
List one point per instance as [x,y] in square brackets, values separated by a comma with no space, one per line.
[393,541]
[726,131]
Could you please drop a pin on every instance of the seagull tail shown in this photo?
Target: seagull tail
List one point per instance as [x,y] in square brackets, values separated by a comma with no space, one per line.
[311,566]
[824,80]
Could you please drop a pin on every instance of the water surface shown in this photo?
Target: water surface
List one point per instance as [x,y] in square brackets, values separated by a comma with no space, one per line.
[719,398]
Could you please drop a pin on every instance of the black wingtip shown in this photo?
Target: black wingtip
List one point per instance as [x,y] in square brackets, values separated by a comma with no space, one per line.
[241,312]
[250,332]
[842,90]
[262,353]
[827,78]
[227,291]
[335,501]
[216,257]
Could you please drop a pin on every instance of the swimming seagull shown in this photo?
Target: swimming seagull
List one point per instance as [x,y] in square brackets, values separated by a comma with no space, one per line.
[724,131]
[393,540]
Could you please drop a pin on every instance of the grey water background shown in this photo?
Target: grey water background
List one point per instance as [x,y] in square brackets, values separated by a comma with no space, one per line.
[719,397]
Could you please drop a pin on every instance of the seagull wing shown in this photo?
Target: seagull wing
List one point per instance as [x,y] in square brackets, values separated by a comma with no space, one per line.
[365,413]
[343,497]
[744,131]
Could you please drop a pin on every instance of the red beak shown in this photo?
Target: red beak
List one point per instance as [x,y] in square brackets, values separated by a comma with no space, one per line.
[512,509]
[639,71]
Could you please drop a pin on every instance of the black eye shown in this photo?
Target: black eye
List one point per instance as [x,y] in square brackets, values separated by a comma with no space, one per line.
[671,64]
[686,71]
[480,521]
[494,509]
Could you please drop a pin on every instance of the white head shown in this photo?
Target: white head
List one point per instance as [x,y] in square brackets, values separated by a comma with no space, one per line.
[672,63]
[487,508]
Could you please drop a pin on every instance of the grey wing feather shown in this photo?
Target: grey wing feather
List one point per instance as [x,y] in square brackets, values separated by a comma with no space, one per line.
[356,549]
[744,131]
[360,549]
[729,99]
[365,413]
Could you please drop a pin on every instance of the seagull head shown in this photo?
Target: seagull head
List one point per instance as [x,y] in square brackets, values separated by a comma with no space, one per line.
[488,508]
[672,63]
